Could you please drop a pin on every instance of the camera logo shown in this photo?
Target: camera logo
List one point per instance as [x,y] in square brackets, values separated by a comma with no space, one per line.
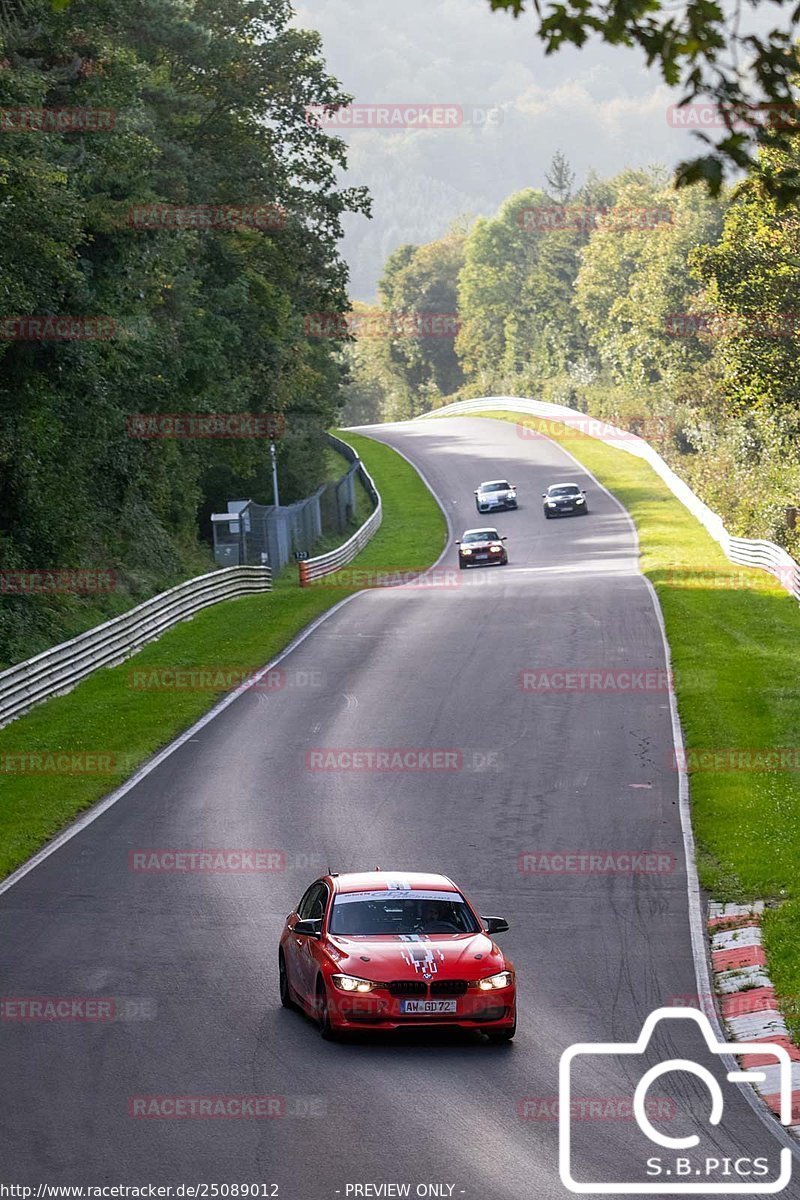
[674,1173]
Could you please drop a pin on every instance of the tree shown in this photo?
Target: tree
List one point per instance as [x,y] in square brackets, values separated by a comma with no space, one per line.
[210,102]
[751,279]
[560,179]
[419,294]
[633,287]
[699,47]
[498,257]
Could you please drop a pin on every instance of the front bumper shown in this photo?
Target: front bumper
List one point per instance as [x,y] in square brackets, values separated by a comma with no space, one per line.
[380,1010]
[485,506]
[573,511]
[492,560]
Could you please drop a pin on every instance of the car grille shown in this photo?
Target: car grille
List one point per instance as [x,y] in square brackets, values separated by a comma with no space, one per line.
[407,987]
[448,987]
[417,987]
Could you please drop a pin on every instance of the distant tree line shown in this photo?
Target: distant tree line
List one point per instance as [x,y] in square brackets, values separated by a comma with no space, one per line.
[668,311]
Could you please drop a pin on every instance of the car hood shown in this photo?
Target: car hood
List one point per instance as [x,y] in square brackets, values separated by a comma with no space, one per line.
[441,956]
[496,492]
[566,499]
[481,545]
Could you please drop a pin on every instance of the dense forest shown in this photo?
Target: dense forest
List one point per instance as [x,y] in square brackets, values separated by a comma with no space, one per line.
[170,244]
[162,187]
[672,313]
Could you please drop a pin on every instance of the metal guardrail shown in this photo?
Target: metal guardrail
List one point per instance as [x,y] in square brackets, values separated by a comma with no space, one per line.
[325,564]
[746,552]
[58,670]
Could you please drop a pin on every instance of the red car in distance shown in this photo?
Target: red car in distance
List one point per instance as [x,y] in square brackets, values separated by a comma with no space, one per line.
[390,950]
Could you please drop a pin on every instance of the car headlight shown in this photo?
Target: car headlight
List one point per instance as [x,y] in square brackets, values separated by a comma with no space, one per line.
[351,983]
[511,495]
[551,503]
[464,551]
[492,982]
[495,548]
[579,500]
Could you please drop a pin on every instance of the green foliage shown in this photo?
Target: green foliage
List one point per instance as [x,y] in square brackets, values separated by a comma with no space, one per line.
[210,103]
[752,283]
[417,281]
[402,359]
[633,285]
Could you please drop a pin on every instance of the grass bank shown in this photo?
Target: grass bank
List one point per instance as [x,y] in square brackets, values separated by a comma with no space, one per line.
[109,716]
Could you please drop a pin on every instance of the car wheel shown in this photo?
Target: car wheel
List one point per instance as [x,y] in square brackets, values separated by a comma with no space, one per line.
[323,1012]
[547,516]
[283,982]
[462,566]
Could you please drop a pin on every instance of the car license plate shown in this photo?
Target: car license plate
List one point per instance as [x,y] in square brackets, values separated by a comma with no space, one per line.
[428,1006]
[481,557]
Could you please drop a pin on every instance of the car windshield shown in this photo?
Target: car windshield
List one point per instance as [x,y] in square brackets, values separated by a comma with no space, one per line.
[499,485]
[481,535]
[360,914]
[567,489]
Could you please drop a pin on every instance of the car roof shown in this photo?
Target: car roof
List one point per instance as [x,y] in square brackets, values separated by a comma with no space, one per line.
[372,881]
[489,530]
[493,483]
[564,483]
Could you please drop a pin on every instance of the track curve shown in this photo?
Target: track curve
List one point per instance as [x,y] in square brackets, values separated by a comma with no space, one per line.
[434,666]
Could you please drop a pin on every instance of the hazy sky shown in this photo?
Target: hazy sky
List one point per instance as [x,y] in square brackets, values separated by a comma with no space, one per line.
[599,105]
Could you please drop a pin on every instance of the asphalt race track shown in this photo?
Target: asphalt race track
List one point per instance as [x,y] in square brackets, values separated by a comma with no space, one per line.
[558,772]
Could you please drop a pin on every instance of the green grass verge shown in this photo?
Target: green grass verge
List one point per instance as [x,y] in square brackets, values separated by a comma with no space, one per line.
[733,635]
[107,714]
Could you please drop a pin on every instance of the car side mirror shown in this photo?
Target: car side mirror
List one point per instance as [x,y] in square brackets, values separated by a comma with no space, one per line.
[308,928]
[583,491]
[495,924]
[544,495]
[458,541]
[503,539]
[475,492]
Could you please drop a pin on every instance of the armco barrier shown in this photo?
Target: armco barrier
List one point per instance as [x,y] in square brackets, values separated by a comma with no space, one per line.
[324,564]
[746,552]
[60,668]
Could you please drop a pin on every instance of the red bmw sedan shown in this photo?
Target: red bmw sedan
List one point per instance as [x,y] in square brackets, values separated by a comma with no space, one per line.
[383,950]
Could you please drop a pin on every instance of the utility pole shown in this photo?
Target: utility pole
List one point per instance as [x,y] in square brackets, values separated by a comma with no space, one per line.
[275,499]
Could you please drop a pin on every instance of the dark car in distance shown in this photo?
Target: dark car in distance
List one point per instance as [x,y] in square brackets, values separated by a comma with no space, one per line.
[564,499]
